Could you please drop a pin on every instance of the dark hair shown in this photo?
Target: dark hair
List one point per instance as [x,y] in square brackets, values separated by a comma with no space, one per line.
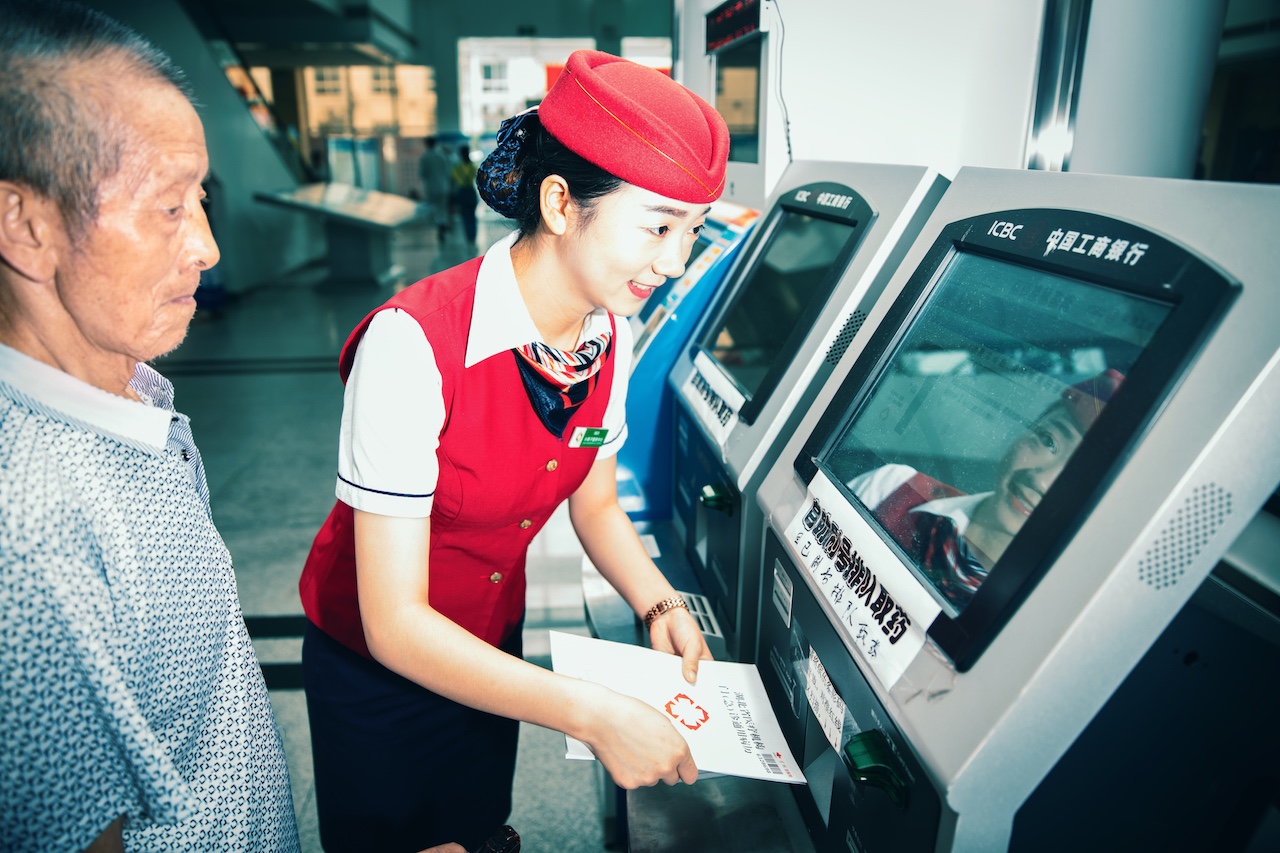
[538,155]
[56,140]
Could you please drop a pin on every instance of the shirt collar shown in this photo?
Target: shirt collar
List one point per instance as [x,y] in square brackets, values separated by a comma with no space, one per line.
[499,319]
[959,508]
[143,423]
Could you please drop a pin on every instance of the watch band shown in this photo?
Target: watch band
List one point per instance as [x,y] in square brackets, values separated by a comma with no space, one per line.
[663,606]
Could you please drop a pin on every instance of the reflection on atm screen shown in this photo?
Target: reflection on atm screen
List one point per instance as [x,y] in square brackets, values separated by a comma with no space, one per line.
[981,406]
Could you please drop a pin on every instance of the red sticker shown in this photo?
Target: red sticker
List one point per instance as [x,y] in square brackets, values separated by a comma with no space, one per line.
[686,712]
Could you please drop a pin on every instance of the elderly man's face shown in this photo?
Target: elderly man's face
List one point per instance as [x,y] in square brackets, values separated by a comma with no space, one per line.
[129,284]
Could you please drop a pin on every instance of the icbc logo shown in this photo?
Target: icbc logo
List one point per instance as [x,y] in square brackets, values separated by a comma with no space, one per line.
[687,712]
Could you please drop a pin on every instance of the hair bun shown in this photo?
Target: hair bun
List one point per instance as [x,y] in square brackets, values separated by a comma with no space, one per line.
[498,178]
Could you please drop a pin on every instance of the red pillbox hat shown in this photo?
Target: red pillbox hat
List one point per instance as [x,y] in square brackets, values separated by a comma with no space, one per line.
[639,125]
[1085,400]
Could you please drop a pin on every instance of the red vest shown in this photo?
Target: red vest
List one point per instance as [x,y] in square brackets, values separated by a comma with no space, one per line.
[894,512]
[501,476]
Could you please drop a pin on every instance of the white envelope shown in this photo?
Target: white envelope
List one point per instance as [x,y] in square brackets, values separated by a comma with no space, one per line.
[726,717]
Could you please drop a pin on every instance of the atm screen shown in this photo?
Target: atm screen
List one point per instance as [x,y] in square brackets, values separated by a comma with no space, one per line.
[987,395]
[998,398]
[785,281]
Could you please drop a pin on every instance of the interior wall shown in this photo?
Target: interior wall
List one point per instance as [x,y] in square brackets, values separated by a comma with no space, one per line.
[438,24]
[259,242]
[915,81]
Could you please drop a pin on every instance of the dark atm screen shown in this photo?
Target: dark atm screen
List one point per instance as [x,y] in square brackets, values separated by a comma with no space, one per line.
[767,307]
[985,399]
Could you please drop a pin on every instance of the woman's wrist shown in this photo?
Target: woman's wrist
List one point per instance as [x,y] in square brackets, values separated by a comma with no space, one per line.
[586,710]
[666,605]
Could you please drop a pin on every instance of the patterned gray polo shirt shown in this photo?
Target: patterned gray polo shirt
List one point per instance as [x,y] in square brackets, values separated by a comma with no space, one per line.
[128,684]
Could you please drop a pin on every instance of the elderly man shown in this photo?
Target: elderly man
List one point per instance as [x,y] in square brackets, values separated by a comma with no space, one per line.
[133,714]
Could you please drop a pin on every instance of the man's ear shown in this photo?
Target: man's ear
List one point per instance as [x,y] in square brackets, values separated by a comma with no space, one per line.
[28,225]
[554,200]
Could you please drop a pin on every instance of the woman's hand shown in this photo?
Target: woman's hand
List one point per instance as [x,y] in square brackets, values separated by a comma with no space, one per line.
[636,744]
[676,632]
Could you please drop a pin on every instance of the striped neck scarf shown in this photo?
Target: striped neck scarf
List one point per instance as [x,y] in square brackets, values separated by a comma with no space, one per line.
[558,382]
[946,558]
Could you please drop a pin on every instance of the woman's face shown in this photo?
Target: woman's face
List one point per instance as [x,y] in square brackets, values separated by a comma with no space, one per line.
[1031,465]
[631,242]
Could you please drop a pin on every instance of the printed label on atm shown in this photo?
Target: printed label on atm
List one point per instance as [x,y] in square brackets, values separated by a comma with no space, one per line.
[877,603]
[713,397]
[825,703]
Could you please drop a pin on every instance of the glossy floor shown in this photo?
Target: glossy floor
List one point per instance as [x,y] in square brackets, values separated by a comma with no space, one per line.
[260,384]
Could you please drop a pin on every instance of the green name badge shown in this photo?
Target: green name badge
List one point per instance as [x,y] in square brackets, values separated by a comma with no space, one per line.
[588,437]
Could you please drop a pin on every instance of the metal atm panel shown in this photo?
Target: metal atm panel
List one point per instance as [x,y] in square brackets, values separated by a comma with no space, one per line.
[792,302]
[1049,706]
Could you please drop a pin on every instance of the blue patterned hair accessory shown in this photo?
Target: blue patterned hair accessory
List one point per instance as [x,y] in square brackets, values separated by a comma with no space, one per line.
[498,178]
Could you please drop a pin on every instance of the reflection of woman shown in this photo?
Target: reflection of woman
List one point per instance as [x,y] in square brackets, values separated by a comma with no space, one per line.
[955,538]
[467,398]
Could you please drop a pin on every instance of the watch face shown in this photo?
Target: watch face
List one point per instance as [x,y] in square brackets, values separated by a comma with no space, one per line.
[505,840]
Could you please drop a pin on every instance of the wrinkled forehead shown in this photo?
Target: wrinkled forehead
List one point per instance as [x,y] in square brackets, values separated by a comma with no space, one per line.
[159,132]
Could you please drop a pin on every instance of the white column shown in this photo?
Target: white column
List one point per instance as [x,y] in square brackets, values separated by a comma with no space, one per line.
[1148,66]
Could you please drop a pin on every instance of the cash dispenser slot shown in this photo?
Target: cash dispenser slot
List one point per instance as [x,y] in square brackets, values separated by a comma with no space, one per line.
[870,760]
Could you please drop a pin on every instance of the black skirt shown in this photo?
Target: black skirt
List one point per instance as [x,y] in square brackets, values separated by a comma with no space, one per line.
[398,767]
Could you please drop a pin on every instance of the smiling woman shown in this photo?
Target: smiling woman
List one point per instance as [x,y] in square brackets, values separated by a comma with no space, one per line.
[477,401]
[955,538]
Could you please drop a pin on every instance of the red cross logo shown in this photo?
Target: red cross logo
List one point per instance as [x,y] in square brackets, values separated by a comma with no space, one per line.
[687,712]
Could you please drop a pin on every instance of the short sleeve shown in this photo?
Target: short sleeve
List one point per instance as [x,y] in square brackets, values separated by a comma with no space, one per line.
[392,414]
[615,413]
[873,487]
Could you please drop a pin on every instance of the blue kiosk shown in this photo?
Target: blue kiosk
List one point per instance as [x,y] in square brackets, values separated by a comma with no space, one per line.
[661,331]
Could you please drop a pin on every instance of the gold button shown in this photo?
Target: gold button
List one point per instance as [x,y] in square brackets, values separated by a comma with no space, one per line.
[553,465]
[526,524]
[495,577]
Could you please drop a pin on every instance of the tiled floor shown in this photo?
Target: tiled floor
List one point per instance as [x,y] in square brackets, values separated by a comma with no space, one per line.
[261,387]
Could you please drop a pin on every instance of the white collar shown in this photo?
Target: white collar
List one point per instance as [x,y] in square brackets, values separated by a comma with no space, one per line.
[959,508]
[499,319]
[83,403]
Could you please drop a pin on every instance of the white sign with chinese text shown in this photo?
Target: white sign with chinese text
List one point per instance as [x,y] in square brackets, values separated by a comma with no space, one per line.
[726,717]
[713,397]
[878,603]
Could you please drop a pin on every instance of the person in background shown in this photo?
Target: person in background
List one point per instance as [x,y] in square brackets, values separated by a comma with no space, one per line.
[463,176]
[133,714]
[477,401]
[434,168]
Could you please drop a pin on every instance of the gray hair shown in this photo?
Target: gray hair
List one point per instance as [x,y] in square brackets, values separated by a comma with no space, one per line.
[55,139]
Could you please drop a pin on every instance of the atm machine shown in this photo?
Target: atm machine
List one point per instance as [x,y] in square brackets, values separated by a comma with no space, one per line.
[660,332]
[1019,591]
[832,236]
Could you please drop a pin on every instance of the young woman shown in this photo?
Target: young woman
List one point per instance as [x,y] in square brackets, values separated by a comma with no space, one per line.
[477,401]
